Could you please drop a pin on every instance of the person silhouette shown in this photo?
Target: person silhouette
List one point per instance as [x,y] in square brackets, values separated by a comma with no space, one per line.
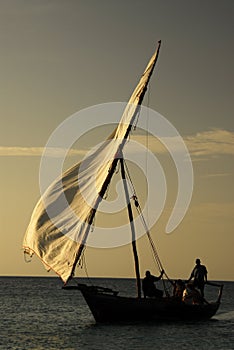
[148,286]
[199,276]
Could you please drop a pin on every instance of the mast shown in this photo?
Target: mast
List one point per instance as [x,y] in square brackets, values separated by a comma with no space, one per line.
[130,214]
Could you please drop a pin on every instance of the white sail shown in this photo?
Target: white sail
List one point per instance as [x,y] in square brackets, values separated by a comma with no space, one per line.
[60,222]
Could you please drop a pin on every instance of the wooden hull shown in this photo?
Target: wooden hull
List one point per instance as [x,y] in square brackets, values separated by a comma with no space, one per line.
[113,308]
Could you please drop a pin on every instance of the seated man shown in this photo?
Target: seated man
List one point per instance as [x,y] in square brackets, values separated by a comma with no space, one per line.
[179,287]
[191,295]
[148,286]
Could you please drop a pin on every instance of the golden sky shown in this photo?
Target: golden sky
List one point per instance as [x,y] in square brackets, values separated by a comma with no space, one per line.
[59,57]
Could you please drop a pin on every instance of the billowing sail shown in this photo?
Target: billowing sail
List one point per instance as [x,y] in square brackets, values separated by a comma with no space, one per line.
[61,220]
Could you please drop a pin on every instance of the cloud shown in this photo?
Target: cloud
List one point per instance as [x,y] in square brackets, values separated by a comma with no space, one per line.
[213,210]
[38,151]
[217,175]
[201,145]
[213,142]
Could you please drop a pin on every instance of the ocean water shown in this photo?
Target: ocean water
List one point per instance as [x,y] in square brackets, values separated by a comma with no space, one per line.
[37,314]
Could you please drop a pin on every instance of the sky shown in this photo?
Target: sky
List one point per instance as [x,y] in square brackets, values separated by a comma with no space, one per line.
[59,57]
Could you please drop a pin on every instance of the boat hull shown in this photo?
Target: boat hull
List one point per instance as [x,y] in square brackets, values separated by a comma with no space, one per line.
[113,308]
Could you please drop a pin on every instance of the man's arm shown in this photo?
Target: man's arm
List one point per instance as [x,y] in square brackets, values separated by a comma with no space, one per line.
[159,277]
[191,276]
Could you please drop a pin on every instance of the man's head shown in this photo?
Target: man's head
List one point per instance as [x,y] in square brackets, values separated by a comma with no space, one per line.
[198,261]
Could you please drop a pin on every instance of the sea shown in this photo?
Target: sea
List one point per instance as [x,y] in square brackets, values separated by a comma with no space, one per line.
[36,313]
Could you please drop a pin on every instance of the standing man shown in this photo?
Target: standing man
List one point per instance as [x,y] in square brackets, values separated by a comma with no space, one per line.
[199,276]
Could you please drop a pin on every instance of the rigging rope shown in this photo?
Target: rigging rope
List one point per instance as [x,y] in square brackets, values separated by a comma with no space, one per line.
[134,196]
[82,264]
[147,140]
[140,213]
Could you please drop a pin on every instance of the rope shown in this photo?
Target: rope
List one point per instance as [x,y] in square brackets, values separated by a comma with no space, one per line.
[152,245]
[82,264]
[147,142]
[134,196]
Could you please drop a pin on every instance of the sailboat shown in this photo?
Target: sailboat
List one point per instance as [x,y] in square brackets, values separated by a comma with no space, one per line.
[63,218]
